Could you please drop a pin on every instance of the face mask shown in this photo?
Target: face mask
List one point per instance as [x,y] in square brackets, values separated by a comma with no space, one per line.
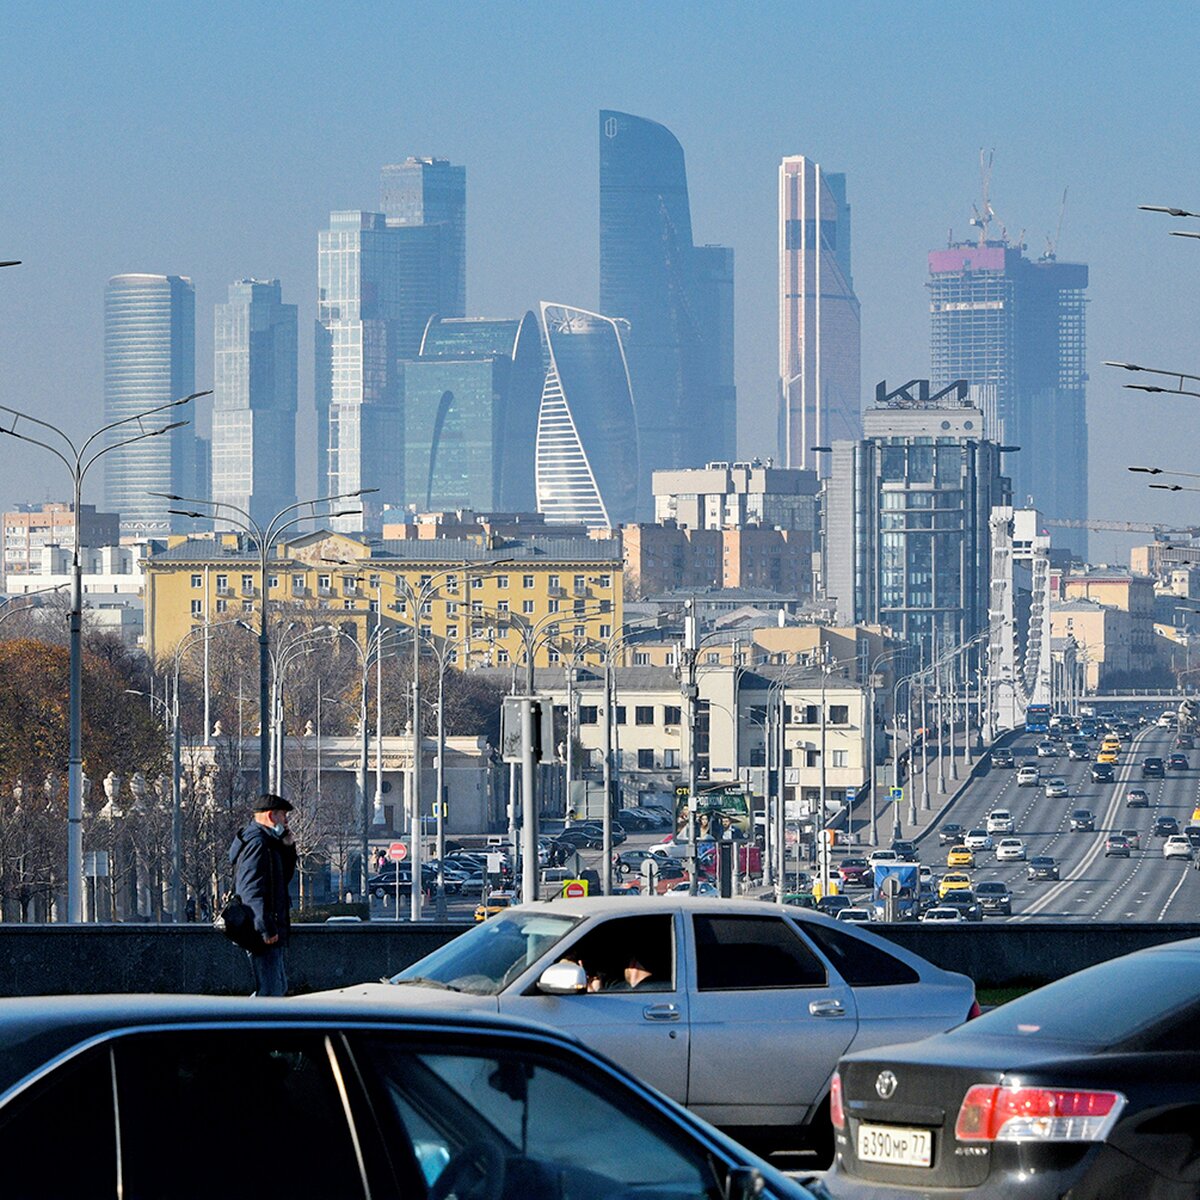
[279,830]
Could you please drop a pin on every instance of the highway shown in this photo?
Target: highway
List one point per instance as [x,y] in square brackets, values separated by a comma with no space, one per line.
[1144,887]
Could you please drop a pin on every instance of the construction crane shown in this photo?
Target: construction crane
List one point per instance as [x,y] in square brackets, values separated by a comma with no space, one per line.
[1051,254]
[1162,533]
[982,218]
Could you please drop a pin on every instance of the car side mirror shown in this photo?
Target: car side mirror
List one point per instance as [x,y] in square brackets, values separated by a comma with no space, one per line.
[563,979]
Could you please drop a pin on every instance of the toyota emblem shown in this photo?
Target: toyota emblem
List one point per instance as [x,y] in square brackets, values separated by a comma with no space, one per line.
[885,1085]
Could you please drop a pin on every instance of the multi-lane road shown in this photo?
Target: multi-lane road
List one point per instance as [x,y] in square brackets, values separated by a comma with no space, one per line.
[1143,887]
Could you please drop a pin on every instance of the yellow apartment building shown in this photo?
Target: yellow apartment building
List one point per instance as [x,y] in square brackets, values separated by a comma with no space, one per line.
[484,599]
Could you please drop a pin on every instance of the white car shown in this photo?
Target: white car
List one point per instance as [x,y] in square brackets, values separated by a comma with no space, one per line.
[942,916]
[855,915]
[1010,850]
[924,873]
[703,888]
[1056,788]
[978,839]
[882,856]
[1047,749]
[1000,821]
[1177,846]
[1028,776]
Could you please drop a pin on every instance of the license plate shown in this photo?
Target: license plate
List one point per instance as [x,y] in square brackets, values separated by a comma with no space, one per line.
[895,1146]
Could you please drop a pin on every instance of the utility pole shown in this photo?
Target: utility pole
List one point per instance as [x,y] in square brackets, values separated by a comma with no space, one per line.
[688,667]
[606,869]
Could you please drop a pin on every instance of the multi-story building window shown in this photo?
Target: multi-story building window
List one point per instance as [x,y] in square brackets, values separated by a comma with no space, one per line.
[324,584]
[839,714]
[273,582]
[839,758]
[712,657]
[606,581]
[620,711]
[197,608]
[502,656]
[426,608]
[247,583]
[373,580]
[348,604]
[580,607]
[606,631]
[527,606]
[672,714]
[451,608]
[477,581]
[502,606]
[553,606]
[527,581]
[606,606]
[553,655]
[641,658]
[645,760]
[588,714]
[298,585]
[643,714]
[451,583]
[670,759]
[452,631]
[222,583]
[222,606]
[197,581]
[502,582]
[247,606]
[552,582]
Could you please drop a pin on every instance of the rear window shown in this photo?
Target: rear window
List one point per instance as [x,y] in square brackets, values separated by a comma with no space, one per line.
[1110,1006]
[990,889]
[859,962]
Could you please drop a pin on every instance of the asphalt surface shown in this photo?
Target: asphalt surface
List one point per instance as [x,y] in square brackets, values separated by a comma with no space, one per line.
[1143,887]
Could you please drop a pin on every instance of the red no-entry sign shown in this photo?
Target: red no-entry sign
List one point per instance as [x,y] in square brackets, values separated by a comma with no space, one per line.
[397,852]
[575,889]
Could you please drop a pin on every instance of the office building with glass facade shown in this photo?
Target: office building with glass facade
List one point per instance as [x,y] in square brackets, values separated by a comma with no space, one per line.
[906,538]
[254,400]
[432,191]
[587,434]
[470,415]
[819,322]
[378,285]
[1014,329]
[149,360]
[675,297]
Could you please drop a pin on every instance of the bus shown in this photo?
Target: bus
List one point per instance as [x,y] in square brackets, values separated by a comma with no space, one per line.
[1037,718]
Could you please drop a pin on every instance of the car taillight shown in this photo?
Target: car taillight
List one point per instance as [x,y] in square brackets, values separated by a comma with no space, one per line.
[837,1114]
[974,1011]
[1031,1114]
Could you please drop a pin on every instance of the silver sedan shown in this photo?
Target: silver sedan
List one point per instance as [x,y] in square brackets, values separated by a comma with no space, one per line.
[736,1008]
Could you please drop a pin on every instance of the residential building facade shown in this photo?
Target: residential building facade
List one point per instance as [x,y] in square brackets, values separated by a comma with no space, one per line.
[29,528]
[149,360]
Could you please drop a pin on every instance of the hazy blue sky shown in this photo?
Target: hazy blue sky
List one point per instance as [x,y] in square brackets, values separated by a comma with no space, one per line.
[212,141]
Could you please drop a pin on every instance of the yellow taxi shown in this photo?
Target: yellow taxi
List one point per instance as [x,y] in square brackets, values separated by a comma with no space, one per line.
[960,856]
[1196,815]
[495,903]
[954,881]
[1106,756]
[1111,743]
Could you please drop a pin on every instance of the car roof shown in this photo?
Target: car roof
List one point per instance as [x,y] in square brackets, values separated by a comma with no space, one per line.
[35,1030]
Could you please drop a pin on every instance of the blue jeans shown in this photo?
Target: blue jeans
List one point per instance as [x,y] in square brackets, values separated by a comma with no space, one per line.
[270,973]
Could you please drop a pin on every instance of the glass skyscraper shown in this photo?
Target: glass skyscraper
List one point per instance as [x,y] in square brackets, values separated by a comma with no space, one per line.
[470,415]
[254,400]
[432,191]
[1014,329]
[587,434]
[149,359]
[673,296]
[378,285]
[819,322]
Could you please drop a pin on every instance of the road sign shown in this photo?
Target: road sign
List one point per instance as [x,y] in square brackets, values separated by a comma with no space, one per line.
[397,852]
[574,889]
[895,795]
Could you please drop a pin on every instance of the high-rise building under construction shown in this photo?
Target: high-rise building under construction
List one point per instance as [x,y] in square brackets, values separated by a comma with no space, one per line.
[1014,329]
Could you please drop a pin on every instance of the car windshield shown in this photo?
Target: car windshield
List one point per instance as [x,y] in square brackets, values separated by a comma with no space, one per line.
[990,889]
[1108,1006]
[486,959]
[1041,862]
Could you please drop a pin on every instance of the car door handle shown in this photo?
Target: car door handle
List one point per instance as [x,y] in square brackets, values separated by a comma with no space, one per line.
[661,1012]
[826,1008]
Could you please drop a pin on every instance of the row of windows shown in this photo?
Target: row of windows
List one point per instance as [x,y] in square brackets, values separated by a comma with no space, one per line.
[352,583]
[643,714]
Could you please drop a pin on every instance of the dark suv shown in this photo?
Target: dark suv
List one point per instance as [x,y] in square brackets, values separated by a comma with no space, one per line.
[1041,867]
[1083,820]
[1103,773]
[1152,768]
[1002,758]
[994,897]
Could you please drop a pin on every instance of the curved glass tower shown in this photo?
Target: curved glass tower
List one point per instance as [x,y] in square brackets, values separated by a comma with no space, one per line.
[587,436]
[149,359]
[672,295]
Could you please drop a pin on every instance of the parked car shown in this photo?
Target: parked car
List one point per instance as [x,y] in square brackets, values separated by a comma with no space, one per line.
[1177,762]
[766,996]
[1002,757]
[1103,772]
[1177,846]
[1056,788]
[950,833]
[1152,767]
[1076,1089]
[1137,798]
[1116,846]
[381,1101]
[994,896]
[1133,837]
[1028,776]
[1010,850]
[1000,820]
[1041,866]
[942,914]
[1165,827]
[1083,820]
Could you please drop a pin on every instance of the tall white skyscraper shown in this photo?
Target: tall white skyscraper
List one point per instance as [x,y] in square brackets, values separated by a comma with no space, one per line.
[254,400]
[149,359]
[819,325]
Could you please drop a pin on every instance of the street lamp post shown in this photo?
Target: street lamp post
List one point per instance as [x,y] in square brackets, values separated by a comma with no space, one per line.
[79,460]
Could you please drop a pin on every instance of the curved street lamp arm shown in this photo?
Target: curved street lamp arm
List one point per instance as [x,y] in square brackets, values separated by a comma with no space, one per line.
[141,437]
[250,526]
[139,416]
[73,467]
[273,529]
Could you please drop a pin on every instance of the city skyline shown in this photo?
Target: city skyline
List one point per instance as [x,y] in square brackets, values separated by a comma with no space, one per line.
[251,208]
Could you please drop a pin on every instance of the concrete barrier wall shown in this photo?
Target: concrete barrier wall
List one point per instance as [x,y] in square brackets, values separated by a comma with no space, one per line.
[39,960]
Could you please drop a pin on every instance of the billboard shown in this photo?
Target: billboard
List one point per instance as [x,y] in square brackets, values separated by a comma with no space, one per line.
[718,808]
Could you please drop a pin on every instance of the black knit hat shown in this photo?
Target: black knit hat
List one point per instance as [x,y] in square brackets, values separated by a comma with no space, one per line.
[268,803]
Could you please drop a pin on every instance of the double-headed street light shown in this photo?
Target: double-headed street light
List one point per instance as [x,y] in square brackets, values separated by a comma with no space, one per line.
[265,540]
[79,460]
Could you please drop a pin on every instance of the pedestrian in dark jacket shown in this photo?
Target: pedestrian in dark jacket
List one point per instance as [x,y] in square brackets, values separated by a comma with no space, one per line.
[263,855]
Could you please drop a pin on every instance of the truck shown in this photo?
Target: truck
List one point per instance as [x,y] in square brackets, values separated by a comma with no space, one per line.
[896,892]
